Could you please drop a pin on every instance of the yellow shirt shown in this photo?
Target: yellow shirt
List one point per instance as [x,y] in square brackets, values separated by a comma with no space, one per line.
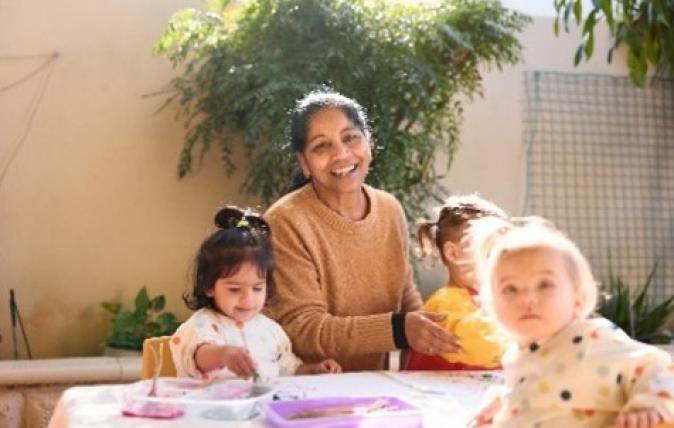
[481,341]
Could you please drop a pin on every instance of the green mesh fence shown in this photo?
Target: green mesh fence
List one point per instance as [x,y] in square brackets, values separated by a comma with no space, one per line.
[600,164]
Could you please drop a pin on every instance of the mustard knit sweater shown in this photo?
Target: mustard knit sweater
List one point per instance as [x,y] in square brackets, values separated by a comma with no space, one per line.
[338,281]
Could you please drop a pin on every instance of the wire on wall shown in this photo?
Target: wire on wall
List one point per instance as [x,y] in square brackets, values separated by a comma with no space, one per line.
[43,71]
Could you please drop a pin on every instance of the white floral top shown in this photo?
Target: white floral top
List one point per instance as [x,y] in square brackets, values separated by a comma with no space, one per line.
[583,377]
[268,344]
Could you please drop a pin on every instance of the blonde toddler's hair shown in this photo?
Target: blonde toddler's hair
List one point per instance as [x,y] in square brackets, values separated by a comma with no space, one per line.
[493,238]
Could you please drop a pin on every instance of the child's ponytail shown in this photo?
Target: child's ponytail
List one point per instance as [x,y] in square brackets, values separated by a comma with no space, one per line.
[231,217]
[425,236]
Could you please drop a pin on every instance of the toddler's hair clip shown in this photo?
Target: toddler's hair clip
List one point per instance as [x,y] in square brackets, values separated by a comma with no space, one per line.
[231,217]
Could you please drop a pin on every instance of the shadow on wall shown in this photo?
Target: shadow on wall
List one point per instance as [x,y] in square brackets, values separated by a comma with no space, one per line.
[53,311]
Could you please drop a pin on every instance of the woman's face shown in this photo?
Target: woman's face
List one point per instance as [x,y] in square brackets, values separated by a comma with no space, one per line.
[337,154]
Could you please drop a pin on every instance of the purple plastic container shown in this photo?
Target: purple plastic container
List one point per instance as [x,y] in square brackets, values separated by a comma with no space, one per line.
[396,413]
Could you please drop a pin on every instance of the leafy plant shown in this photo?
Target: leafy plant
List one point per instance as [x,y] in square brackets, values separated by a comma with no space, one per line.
[645,26]
[410,64]
[634,311]
[130,328]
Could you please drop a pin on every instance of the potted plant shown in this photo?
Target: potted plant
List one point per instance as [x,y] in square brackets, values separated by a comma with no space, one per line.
[412,65]
[129,328]
[635,311]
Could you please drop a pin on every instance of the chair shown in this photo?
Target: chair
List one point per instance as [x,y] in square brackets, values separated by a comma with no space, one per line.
[154,349]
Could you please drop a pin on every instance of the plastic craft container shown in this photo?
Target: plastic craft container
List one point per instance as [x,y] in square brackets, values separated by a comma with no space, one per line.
[343,412]
[176,397]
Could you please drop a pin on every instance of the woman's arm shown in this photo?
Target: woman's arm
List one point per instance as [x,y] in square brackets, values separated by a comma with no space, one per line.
[411,299]
[301,308]
[312,280]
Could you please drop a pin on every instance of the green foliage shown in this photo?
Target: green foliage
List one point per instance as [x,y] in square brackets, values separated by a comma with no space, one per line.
[645,26]
[410,64]
[130,328]
[634,311]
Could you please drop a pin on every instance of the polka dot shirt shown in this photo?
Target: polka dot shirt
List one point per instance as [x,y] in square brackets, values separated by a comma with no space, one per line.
[583,377]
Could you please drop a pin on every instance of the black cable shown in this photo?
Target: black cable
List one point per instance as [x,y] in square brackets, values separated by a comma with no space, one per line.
[51,58]
[12,313]
[16,316]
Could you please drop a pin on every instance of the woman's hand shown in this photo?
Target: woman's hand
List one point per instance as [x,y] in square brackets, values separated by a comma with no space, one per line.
[425,336]
[325,366]
[485,416]
[639,418]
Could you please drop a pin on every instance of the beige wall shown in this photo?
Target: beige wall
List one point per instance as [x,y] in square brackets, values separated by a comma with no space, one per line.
[91,209]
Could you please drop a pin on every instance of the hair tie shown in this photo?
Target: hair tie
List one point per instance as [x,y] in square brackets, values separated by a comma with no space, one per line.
[231,217]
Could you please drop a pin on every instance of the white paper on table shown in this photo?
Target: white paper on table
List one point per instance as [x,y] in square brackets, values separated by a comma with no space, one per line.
[449,399]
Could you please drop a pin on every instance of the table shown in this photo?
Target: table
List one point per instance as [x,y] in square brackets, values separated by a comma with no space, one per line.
[448,399]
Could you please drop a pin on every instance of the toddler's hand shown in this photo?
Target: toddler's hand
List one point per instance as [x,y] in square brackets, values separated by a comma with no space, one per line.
[328,366]
[238,360]
[325,366]
[426,337]
[639,418]
[485,416]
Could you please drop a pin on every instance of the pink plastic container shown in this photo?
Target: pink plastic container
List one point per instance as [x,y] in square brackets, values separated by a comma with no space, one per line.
[233,399]
[343,412]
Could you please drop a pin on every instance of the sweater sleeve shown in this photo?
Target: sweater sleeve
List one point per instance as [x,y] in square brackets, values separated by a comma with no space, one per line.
[301,308]
[411,299]
[650,382]
[190,335]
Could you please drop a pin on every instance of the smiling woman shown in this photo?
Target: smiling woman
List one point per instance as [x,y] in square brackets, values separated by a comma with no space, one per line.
[344,282]
[336,157]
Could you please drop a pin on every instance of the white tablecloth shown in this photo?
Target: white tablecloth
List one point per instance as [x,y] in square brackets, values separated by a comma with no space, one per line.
[447,399]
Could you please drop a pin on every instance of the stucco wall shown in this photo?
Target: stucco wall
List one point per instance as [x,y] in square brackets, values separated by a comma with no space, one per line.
[91,208]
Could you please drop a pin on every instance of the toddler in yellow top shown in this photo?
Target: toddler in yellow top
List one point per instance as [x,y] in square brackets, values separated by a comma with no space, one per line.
[481,343]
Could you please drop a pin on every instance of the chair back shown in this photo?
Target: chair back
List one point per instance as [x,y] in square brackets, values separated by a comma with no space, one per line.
[149,361]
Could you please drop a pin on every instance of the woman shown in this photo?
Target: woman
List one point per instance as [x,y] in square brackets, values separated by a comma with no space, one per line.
[344,282]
